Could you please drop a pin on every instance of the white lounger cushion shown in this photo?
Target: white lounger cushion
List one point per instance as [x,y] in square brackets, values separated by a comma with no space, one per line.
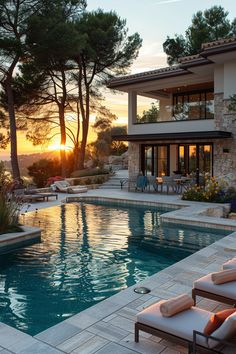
[64,186]
[231,264]
[180,325]
[77,189]
[227,289]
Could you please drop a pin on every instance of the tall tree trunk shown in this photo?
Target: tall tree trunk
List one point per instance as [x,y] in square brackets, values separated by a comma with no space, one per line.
[63,141]
[76,157]
[85,126]
[76,149]
[13,136]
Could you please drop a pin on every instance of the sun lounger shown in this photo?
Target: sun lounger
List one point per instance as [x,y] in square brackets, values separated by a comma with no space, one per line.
[64,186]
[205,287]
[27,196]
[186,327]
[231,264]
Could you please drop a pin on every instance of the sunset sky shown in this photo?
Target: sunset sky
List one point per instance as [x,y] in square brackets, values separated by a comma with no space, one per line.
[153,20]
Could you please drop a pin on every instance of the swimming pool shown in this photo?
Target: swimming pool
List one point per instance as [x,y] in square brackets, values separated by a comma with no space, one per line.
[88,253]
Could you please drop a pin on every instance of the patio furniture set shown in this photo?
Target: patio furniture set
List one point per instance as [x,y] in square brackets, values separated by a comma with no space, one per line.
[29,196]
[35,195]
[174,184]
[179,318]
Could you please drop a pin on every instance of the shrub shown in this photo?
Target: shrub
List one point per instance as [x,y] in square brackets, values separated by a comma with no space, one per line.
[99,180]
[194,193]
[9,207]
[42,170]
[211,191]
[87,181]
[89,172]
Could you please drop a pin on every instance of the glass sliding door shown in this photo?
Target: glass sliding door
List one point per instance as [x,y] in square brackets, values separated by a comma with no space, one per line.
[192,159]
[182,159]
[162,161]
[148,166]
[155,160]
[205,160]
[196,160]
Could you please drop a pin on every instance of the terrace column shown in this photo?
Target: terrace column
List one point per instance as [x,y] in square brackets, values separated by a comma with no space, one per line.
[134,148]
[132,109]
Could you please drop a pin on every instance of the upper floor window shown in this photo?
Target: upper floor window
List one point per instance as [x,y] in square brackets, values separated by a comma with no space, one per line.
[148,110]
[193,105]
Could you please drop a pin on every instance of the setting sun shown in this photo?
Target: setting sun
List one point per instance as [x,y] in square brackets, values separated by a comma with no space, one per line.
[55,147]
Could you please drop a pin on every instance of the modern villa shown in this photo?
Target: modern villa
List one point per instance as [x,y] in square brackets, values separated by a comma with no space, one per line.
[194,132]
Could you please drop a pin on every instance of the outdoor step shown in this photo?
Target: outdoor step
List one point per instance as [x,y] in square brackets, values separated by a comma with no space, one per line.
[110,187]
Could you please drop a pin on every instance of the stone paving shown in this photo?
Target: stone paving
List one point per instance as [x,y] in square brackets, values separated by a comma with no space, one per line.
[108,327]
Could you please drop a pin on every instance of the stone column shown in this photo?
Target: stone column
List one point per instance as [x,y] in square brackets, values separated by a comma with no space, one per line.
[225,149]
[134,160]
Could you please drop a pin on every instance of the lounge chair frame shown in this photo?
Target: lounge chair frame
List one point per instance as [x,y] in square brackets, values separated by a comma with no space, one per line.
[212,296]
[192,345]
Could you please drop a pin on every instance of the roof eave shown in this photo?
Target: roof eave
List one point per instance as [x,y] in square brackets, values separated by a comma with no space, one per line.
[218,50]
[126,82]
[174,136]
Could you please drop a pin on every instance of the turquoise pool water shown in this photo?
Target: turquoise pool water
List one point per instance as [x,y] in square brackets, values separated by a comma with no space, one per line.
[88,253]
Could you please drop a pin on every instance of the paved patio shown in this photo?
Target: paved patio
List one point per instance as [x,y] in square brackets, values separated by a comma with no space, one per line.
[108,327]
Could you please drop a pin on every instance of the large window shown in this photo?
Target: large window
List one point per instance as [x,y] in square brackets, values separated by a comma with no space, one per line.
[155,160]
[195,159]
[194,105]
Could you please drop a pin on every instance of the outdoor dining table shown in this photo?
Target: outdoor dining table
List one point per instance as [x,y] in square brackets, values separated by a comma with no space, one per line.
[180,183]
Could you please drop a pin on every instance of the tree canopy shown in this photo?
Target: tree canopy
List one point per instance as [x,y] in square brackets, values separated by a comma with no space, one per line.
[209,25]
[85,53]
[14,16]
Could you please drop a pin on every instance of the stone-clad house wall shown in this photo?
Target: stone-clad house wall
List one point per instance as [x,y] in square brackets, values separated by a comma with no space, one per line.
[224,150]
[224,159]
[134,160]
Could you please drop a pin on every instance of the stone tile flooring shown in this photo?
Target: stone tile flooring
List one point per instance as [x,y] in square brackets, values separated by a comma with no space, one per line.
[108,327]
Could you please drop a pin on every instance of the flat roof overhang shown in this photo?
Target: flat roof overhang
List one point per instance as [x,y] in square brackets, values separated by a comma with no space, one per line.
[216,134]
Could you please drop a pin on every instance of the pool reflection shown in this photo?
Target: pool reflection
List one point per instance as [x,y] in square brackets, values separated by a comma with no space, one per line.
[88,252]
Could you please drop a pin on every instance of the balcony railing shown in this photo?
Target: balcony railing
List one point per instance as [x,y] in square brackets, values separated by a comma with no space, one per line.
[179,112]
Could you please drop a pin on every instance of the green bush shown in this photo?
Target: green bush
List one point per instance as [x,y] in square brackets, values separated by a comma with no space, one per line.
[42,170]
[212,191]
[193,193]
[9,207]
[88,181]
[89,172]
[99,180]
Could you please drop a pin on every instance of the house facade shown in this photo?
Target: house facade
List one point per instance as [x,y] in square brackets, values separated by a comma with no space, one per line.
[193,132]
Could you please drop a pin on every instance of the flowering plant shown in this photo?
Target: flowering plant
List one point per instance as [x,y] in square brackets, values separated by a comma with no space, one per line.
[54,179]
[212,191]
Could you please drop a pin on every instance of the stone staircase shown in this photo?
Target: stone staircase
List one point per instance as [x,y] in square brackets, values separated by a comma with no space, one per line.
[114,181]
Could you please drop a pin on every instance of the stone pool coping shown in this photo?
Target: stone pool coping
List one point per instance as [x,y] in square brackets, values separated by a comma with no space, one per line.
[185,212]
[108,326]
[13,240]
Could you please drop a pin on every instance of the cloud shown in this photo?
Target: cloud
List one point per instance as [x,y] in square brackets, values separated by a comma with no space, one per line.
[164,2]
[151,56]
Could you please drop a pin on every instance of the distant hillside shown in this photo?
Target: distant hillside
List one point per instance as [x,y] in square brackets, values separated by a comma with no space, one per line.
[27,160]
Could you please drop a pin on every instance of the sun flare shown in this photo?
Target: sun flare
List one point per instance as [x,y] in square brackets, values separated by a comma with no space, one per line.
[56,147]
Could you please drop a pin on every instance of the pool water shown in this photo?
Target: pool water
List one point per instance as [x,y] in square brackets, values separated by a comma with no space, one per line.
[88,253]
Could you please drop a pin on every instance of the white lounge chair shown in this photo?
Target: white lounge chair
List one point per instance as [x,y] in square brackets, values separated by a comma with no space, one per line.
[230,264]
[205,287]
[185,327]
[65,187]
